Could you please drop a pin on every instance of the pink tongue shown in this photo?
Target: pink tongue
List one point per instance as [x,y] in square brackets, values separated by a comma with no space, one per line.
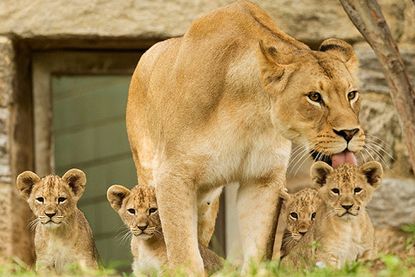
[343,157]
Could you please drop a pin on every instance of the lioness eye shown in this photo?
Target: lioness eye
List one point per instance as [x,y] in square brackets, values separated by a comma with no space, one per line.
[352,95]
[294,215]
[131,211]
[357,190]
[313,216]
[152,210]
[40,199]
[335,191]
[315,96]
[61,200]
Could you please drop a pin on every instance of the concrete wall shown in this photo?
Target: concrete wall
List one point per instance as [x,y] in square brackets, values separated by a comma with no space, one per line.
[97,24]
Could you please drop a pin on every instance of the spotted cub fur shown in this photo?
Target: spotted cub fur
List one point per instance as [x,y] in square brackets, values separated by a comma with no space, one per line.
[138,210]
[299,211]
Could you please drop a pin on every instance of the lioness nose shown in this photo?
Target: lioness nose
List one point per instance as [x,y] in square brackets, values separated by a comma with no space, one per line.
[142,227]
[347,134]
[347,207]
[50,214]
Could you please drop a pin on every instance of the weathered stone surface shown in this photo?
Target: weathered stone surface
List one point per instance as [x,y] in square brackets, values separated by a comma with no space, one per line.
[384,141]
[371,74]
[308,20]
[393,204]
[7,72]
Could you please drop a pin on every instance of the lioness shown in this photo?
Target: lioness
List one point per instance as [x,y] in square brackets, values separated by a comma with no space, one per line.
[342,231]
[222,104]
[300,212]
[62,233]
[138,210]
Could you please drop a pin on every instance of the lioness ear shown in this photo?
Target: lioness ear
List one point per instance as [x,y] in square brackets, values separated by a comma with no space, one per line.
[116,195]
[274,69]
[25,182]
[341,50]
[373,172]
[76,180]
[319,172]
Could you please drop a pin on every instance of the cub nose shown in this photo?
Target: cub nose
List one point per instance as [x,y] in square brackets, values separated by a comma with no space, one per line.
[347,207]
[50,215]
[142,227]
[347,134]
[302,233]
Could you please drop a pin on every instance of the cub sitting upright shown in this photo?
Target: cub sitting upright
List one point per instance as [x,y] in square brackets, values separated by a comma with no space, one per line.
[62,233]
[342,231]
[138,210]
[300,212]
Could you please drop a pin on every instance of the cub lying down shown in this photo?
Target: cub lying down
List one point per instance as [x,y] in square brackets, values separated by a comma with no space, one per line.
[62,235]
[300,212]
[342,231]
[138,210]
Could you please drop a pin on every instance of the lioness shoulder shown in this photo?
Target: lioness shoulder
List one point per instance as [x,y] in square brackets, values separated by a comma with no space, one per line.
[63,236]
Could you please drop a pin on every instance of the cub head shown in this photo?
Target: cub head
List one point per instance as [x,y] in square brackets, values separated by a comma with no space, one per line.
[300,210]
[52,199]
[348,188]
[314,96]
[137,208]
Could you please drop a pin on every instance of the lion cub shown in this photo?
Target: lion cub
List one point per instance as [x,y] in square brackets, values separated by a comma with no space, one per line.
[300,212]
[62,235]
[342,231]
[138,210]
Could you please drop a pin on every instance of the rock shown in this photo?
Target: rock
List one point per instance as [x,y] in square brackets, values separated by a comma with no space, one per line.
[393,204]
[371,75]
[308,21]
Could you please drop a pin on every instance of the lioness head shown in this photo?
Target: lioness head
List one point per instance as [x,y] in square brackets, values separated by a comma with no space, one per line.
[52,199]
[314,96]
[137,208]
[300,210]
[347,189]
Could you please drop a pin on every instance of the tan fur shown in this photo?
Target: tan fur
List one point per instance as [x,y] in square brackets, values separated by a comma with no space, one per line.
[63,238]
[220,105]
[338,236]
[303,204]
[147,244]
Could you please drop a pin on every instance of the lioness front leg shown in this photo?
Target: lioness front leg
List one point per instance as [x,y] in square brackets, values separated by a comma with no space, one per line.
[177,205]
[257,207]
[208,207]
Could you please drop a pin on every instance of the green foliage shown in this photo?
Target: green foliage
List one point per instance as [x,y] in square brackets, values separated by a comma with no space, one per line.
[385,266]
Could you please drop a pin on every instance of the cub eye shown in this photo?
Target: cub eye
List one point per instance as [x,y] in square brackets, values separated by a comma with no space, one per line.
[294,215]
[357,190]
[313,216]
[352,95]
[131,211]
[335,191]
[61,200]
[40,199]
[315,96]
[152,210]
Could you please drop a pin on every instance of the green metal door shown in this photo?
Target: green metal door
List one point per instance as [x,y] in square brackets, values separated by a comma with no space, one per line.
[89,133]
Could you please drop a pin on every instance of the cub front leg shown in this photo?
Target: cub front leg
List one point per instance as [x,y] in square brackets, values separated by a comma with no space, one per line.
[177,206]
[257,208]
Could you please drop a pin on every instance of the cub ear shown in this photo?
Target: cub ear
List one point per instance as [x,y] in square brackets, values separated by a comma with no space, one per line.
[319,172]
[274,69]
[341,50]
[25,182]
[76,180]
[373,172]
[116,195]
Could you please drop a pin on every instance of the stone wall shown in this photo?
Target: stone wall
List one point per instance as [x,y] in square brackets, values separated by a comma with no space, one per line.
[61,24]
